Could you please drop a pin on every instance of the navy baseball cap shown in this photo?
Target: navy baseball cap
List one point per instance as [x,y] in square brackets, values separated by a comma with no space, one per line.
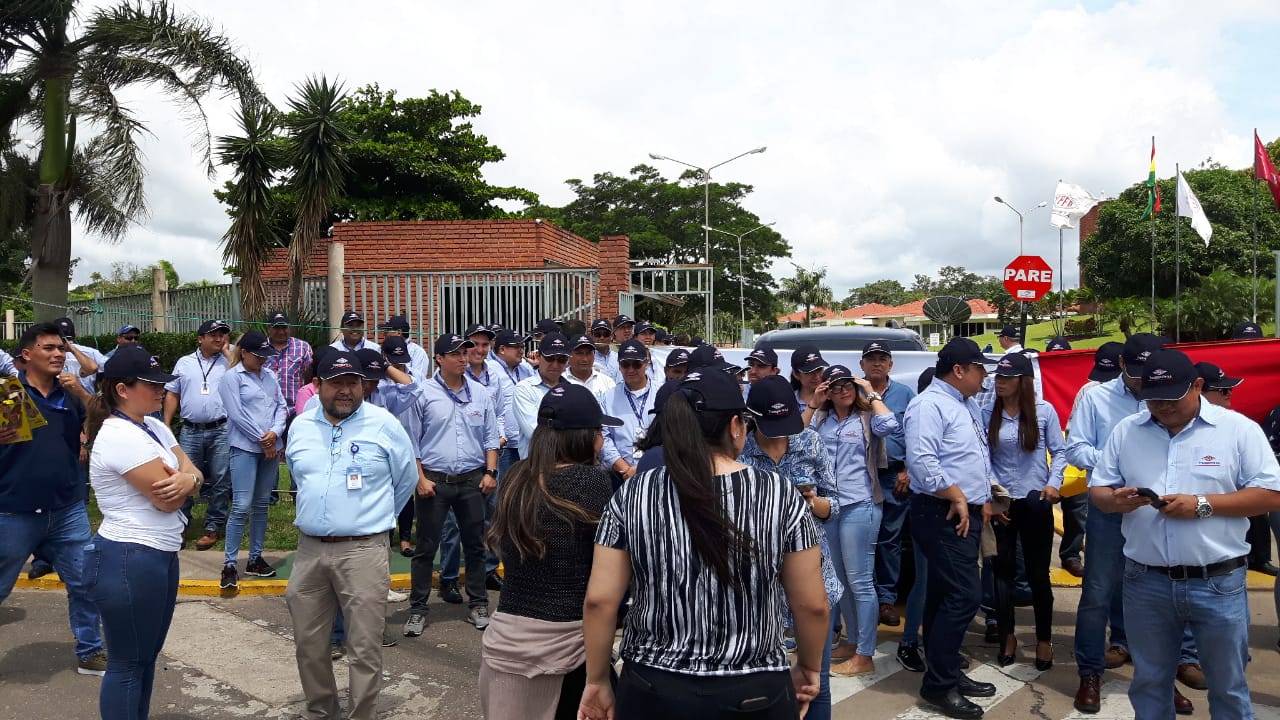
[1014,365]
[763,356]
[338,362]
[256,343]
[663,336]
[1246,331]
[623,320]
[509,338]
[351,317]
[554,344]
[835,373]
[643,327]
[213,326]
[632,350]
[1167,375]
[65,327]
[773,400]
[478,329]
[1057,344]
[1137,349]
[399,323]
[1215,378]
[1010,332]
[396,349]
[277,318]
[372,364]
[581,341]
[126,329]
[135,361]
[448,343]
[601,324]
[961,351]
[806,359]
[677,357]
[546,325]
[709,357]
[1106,362]
[875,346]
[573,407]
[708,389]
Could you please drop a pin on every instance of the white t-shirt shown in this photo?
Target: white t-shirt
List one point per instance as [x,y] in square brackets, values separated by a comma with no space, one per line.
[127,515]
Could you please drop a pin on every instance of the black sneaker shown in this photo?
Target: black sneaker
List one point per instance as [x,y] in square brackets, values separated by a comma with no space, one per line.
[230,579]
[493,581]
[911,657]
[449,592]
[39,569]
[259,567]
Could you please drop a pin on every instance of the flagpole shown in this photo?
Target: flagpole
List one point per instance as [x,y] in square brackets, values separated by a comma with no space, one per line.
[1177,259]
[1062,270]
[1255,234]
[1153,239]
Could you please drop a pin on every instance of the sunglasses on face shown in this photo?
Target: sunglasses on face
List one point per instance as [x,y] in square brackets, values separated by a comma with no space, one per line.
[840,388]
[555,359]
[631,364]
[601,334]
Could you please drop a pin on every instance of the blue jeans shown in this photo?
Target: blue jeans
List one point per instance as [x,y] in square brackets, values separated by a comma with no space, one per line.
[60,536]
[915,599]
[852,540]
[253,477]
[1216,608]
[893,515]
[136,589]
[1101,599]
[208,451]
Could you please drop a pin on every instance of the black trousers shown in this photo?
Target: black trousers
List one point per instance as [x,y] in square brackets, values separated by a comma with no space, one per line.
[1075,511]
[954,589]
[405,519]
[645,692]
[1031,526]
[467,503]
[1259,539]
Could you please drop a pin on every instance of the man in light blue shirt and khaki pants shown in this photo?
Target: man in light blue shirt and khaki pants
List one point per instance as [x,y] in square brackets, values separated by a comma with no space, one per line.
[1186,474]
[355,468]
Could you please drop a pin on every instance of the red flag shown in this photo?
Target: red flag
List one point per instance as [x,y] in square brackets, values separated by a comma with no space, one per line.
[1264,170]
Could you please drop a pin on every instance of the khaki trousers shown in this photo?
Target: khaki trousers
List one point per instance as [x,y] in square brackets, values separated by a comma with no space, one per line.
[352,575]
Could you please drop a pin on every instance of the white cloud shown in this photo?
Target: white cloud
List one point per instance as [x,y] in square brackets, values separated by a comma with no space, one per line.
[889,126]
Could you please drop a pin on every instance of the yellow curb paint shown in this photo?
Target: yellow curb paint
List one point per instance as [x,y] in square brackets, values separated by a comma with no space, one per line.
[210,588]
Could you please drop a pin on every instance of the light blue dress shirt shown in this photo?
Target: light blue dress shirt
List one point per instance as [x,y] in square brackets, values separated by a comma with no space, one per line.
[364,344]
[320,457]
[419,360]
[1219,451]
[6,364]
[1022,472]
[896,397]
[72,365]
[1096,413]
[847,446]
[254,406]
[946,444]
[507,380]
[197,387]
[454,434]
[525,401]
[491,378]
[608,364]
[634,410]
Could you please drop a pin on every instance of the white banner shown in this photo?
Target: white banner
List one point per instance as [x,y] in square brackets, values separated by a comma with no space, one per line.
[1189,207]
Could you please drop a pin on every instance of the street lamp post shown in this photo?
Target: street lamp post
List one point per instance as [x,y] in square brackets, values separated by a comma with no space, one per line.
[742,296]
[1022,216]
[706,192]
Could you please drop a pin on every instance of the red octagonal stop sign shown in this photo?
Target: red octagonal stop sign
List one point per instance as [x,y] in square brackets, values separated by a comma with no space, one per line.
[1028,278]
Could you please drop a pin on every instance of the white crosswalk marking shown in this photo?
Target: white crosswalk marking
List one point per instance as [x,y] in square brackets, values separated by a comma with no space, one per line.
[1005,686]
[886,664]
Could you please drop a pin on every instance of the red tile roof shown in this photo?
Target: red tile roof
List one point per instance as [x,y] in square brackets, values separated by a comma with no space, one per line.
[876,310]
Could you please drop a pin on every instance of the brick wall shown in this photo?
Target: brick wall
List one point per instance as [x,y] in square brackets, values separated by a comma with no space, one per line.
[1088,226]
[615,271]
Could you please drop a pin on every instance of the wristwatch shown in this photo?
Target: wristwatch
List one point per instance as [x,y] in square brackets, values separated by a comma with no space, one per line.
[491,473]
[1203,508]
[874,396]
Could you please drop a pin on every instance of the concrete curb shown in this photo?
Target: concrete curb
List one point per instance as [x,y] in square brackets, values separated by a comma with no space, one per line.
[210,588]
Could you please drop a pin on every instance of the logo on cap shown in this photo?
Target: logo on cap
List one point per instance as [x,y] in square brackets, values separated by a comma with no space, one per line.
[693,376]
[1160,374]
[154,362]
[1144,355]
[1106,362]
[779,410]
[341,362]
[1004,363]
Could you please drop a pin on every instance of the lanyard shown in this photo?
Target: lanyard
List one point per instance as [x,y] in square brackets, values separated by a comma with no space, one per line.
[483,379]
[454,396]
[638,411]
[515,376]
[141,426]
[203,372]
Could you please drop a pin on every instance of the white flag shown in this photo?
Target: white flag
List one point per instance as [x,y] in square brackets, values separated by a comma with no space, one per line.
[1189,207]
[1070,203]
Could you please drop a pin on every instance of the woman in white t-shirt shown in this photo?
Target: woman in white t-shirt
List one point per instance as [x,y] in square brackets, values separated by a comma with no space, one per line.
[141,478]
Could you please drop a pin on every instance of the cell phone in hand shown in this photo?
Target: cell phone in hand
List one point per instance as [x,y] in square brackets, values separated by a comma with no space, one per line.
[805,487]
[1151,495]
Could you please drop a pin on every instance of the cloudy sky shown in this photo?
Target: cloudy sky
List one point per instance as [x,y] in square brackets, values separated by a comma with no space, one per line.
[889,126]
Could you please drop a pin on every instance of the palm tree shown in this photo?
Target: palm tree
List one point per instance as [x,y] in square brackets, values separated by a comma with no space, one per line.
[256,157]
[806,289]
[52,79]
[317,156]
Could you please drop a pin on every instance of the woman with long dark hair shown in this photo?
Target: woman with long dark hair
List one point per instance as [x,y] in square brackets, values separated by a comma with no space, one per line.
[549,506]
[1020,429]
[853,422]
[141,479]
[807,365]
[709,543]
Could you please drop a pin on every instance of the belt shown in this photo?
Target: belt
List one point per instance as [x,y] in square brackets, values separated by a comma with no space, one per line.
[447,479]
[1200,572]
[206,426]
[973,507]
[340,538]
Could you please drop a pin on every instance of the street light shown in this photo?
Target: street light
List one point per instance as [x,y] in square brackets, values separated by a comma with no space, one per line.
[706,193]
[1021,217]
[742,297]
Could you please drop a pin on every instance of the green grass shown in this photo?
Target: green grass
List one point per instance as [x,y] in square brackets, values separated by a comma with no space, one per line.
[281,532]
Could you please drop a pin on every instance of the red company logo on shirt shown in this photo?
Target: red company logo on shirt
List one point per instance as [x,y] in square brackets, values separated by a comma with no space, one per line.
[1208,461]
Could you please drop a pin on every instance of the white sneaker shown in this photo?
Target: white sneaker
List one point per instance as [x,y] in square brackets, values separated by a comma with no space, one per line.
[396,597]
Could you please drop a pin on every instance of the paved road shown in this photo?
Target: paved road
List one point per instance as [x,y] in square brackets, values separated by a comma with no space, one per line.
[233,657]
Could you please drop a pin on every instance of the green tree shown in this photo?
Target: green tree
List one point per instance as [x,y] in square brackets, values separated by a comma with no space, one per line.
[54,79]
[806,290]
[1129,314]
[884,292]
[1212,308]
[664,220]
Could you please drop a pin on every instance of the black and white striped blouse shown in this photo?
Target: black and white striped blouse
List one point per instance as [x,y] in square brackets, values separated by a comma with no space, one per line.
[682,618]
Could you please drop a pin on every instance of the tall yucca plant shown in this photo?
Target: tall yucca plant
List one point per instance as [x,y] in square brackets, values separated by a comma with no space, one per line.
[256,157]
[53,79]
[318,137]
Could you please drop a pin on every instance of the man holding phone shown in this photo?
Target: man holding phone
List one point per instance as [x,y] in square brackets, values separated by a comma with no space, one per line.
[1185,561]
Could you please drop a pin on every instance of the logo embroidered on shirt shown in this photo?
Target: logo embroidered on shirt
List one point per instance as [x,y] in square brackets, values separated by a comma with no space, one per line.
[1209,461]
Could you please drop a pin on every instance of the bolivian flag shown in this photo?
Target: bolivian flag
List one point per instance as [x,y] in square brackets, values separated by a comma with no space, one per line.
[1153,190]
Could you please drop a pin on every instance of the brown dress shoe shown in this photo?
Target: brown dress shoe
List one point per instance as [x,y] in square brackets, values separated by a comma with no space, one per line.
[1116,656]
[1182,704]
[207,540]
[889,615]
[1074,566]
[1192,676]
[1088,698]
